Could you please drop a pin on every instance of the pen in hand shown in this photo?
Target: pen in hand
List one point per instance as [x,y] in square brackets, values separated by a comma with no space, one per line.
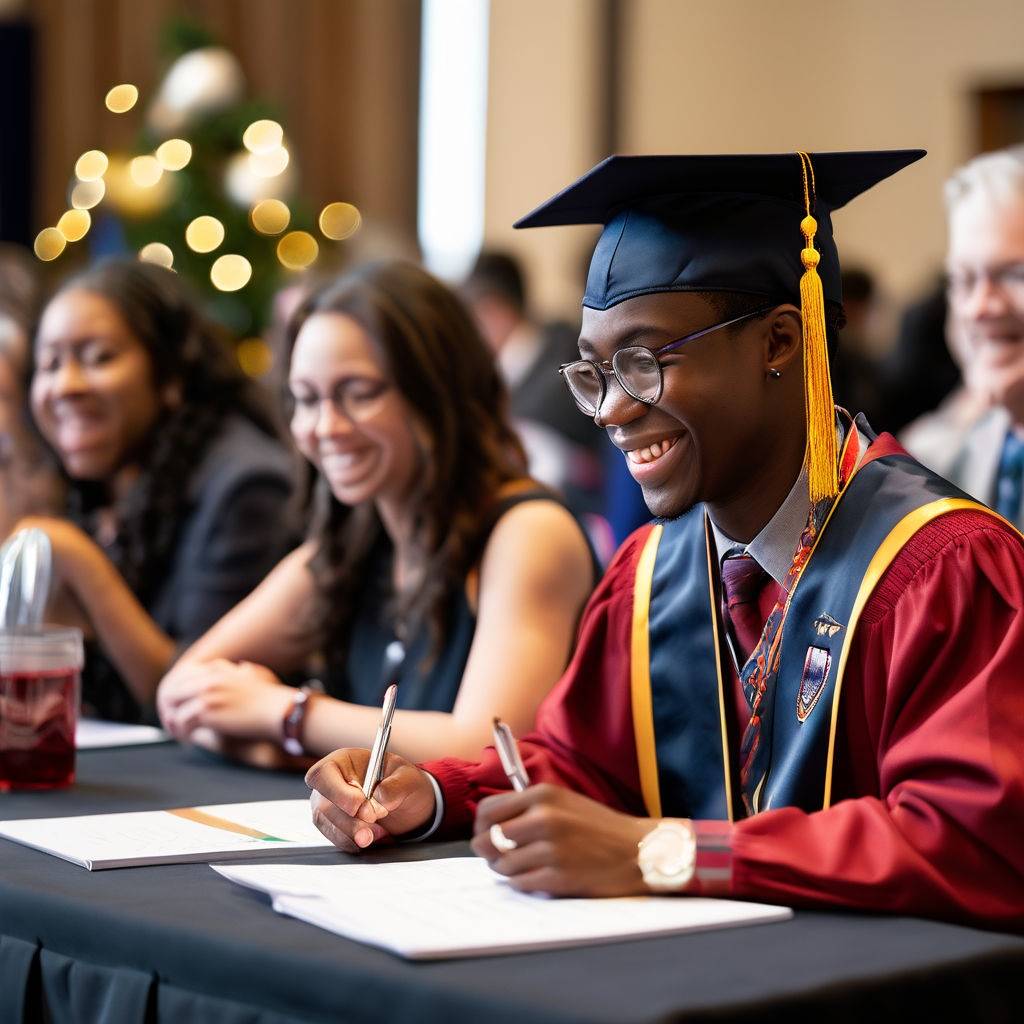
[375,766]
[508,753]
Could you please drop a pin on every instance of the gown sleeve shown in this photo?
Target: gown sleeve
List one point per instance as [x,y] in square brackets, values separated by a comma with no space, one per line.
[583,738]
[933,723]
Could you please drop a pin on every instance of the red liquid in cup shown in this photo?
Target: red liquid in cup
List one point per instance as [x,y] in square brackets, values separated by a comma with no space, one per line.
[37,729]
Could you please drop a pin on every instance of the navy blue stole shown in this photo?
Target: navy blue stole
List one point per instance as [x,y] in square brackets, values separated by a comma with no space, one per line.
[679,675]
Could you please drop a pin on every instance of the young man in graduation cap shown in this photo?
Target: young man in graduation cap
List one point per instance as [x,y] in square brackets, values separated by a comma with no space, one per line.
[803,682]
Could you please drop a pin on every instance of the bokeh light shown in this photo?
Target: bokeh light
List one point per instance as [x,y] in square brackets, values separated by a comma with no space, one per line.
[204,234]
[49,244]
[230,272]
[254,356]
[128,199]
[91,165]
[145,171]
[157,252]
[262,136]
[340,220]
[74,224]
[269,164]
[122,98]
[270,217]
[297,250]
[174,154]
[86,194]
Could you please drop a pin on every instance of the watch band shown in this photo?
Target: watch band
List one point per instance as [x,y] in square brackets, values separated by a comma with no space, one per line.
[295,719]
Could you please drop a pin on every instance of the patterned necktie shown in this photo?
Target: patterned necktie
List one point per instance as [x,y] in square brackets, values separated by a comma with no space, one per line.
[1010,484]
[742,581]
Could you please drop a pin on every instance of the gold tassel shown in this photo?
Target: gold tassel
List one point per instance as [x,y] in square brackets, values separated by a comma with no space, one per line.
[822,455]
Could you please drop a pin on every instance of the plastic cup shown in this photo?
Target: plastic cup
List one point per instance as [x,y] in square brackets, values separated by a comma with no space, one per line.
[40,681]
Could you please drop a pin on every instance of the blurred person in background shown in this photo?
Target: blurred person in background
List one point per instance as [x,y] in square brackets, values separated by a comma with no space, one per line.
[919,373]
[177,484]
[563,453]
[437,564]
[29,482]
[857,384]
[976,438]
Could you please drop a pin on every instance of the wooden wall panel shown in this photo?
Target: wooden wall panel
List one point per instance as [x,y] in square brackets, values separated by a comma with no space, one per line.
[344,73]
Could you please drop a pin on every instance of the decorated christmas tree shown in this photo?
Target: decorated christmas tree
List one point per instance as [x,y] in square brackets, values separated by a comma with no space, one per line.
[210,187]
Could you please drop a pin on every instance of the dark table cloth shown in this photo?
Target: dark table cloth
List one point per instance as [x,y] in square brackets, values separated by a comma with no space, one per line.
[179,943]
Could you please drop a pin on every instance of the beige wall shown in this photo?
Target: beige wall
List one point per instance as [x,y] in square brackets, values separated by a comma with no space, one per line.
[749,75]
[544,121]
[815,74]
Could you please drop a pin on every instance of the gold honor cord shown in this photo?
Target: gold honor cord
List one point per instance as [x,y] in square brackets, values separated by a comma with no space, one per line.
[640,676]
[202,818]
[880,561]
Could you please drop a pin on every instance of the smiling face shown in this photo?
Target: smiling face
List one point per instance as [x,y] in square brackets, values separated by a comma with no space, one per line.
[986,294]
[714,432]
[349,419]
[93,395]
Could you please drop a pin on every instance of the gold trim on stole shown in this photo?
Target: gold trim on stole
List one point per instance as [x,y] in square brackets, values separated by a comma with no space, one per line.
[718,667]
[640,676]
[880,561]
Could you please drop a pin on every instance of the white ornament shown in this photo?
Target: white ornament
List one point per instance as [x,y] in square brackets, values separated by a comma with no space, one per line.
[198,82]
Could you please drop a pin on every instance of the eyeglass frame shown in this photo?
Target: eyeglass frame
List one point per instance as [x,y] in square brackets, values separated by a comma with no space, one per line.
[339,400]
[606,367]
[1004,277]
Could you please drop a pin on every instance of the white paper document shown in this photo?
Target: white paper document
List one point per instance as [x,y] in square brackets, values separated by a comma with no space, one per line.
[92,734]
[436,909]
[264,828]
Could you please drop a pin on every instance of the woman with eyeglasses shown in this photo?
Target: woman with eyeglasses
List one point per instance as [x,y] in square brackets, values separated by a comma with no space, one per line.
[178,483]
[437,563]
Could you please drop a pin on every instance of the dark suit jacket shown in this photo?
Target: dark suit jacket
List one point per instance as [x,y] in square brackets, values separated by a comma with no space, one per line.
[235,529]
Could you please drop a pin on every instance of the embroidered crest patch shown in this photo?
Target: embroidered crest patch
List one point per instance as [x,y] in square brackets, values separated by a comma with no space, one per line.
[812,682]
[825,625]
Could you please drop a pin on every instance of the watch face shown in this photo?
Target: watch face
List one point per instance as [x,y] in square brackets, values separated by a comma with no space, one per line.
[667,856]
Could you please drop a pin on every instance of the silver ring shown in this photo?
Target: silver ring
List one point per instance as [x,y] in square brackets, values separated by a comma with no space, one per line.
[500,841]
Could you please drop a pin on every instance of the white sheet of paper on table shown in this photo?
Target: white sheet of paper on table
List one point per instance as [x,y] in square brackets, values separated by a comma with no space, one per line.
[140,838]
[92,734]
[455,907]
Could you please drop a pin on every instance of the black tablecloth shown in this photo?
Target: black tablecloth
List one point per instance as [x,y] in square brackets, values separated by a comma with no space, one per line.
[179,943]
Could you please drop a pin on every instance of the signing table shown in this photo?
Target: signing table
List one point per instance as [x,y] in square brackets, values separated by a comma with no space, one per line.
[178,943]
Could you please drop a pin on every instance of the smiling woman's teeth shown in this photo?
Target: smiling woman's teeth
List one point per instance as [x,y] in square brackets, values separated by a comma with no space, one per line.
[652,451]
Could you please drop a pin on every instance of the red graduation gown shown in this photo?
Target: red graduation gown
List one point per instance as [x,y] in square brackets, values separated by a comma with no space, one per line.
[928,809]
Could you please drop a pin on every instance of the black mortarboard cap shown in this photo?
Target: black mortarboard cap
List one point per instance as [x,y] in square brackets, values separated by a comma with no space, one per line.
[712,223]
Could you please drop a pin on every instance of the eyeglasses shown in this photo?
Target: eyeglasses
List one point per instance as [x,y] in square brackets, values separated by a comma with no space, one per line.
[636,368]
[1007,278]
[357,399]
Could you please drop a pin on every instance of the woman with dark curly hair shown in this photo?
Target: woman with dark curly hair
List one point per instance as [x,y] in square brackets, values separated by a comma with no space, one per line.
[178,483]
[438,563]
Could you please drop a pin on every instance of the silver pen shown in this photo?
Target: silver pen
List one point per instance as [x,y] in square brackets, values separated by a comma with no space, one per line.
[508,753]
[380,742]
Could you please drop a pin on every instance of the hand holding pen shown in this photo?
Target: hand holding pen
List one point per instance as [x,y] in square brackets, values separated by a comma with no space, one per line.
[362,796]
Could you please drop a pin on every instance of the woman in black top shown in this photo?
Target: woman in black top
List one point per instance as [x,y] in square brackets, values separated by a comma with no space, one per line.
[177,482]
[438,562]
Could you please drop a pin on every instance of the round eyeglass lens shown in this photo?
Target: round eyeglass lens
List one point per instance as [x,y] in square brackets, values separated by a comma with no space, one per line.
[639,372]
[586,385]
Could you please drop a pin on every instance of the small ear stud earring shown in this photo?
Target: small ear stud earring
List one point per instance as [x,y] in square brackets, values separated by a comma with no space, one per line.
[774,373]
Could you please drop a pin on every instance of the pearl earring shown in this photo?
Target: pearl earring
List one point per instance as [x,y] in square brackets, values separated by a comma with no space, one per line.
[774,373]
